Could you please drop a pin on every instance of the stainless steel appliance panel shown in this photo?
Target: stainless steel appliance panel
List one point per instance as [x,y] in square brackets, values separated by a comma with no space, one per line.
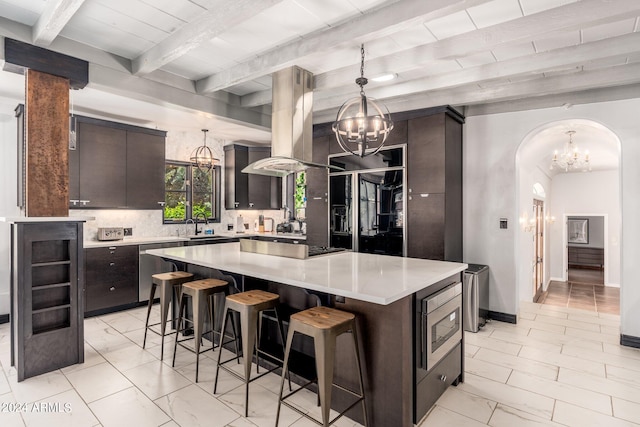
[441,324]
[476,297]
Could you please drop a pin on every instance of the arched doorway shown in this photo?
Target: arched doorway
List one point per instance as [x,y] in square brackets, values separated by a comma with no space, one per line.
[564,192]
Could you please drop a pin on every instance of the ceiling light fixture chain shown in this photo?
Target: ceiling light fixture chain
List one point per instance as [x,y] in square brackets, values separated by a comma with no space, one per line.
[356,131]
[571,159]
[202,157]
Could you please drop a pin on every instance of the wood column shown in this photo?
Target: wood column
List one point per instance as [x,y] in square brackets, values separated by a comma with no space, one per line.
[47,144]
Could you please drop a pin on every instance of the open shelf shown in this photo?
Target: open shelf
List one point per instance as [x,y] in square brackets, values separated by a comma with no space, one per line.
[51,319]
[50,297]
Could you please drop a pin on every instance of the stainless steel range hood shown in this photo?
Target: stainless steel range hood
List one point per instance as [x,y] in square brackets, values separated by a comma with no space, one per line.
[291,125]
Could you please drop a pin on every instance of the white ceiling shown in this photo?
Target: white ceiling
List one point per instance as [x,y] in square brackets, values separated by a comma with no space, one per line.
[207,63]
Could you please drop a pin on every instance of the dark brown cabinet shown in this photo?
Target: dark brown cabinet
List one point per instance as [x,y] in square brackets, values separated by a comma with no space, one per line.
[46,297]
[249,191]
[586,257]
[434,186]
[101,174]
[111,275]
[317,193]
[116,166]
[145,170]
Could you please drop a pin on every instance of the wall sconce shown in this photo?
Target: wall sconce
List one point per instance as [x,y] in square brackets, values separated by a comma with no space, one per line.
[550,219]
[528,225]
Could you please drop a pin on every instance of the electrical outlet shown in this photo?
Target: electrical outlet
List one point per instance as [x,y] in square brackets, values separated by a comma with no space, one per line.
[128,231]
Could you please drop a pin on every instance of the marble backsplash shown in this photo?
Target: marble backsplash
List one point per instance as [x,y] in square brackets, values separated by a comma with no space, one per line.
[148,223]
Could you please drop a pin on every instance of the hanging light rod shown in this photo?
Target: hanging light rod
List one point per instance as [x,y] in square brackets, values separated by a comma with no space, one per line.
[356,131]
[202,157]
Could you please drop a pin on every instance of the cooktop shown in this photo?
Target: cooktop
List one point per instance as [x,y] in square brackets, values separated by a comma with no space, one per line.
[323,250]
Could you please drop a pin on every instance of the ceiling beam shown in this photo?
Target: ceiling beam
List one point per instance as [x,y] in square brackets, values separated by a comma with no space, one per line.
[55,16]
[471,94]
[563,58]
[220,18]
[143,89]
[377,23]
[573,16]
[563,100]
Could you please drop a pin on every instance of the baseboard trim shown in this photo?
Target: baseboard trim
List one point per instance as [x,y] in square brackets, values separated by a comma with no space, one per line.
[4,318]
[503,317]
[629,341]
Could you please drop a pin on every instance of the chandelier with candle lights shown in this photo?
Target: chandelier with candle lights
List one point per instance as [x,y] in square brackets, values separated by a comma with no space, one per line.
[361,126]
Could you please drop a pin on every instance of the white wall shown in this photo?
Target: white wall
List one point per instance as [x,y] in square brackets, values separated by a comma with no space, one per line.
[583,194]
[490,192]
[8,208]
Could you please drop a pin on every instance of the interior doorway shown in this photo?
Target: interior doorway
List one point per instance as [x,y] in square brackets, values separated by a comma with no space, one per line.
[586,249]
[538,249]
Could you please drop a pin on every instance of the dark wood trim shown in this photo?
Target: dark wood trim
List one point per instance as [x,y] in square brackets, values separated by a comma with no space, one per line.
[4,318]
[19,56]
[503,317]
[123,126]
[629,341]
[324,129]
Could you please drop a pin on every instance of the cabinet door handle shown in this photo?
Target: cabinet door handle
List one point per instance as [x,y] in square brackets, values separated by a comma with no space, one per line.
[236,204]
[250,205]
[112,248]
[442,378]
[111,264]
[113,288]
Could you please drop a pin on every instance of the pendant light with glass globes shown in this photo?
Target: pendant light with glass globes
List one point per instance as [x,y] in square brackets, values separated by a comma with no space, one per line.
[202,157]
[361,125]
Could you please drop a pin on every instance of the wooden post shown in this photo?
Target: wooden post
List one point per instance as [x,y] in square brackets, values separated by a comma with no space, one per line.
[47,145]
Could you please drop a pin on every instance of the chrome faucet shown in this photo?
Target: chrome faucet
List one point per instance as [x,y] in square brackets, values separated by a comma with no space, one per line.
[206,221]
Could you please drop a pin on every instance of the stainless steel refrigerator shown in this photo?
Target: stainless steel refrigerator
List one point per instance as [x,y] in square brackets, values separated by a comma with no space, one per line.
[367,202]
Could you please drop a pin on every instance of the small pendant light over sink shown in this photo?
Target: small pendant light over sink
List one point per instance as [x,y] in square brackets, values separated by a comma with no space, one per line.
[202,157]
[358,132]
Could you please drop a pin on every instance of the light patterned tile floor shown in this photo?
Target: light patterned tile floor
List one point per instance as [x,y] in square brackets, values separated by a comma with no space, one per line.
[559,366]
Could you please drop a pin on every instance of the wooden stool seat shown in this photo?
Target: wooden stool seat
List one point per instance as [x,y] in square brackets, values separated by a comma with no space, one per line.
[324,325]
[212,285]
[201,292]
[254,298]
[167,283]
[324,317]
[171,278]
[249,305]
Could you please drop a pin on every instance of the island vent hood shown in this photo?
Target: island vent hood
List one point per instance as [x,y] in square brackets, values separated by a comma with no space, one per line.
[291,125]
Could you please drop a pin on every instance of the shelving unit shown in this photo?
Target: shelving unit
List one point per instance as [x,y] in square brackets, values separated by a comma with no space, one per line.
[47,306]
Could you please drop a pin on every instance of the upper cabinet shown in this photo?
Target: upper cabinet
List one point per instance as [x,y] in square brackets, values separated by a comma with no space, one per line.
[116,166]
[434,181]
[249,191]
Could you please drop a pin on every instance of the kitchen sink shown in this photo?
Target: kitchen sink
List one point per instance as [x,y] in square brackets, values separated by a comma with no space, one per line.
[206,237]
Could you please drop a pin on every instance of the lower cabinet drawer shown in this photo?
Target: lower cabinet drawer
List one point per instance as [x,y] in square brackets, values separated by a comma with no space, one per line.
[436,382]
[105,295]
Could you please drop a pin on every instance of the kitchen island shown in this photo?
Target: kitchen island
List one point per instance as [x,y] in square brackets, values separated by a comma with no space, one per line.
[385,292]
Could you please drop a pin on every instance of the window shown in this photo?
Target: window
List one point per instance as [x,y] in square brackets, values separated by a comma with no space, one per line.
[188,192]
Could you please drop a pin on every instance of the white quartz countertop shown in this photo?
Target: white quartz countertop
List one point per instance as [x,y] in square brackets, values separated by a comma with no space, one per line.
[167,239]
[379,279]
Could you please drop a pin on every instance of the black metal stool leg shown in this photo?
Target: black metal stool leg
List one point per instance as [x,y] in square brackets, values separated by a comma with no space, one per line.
[146,324]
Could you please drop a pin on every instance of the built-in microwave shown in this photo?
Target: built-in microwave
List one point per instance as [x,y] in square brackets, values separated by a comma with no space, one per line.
[441,321]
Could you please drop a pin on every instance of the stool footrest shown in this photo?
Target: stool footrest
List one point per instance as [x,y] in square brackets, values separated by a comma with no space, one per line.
[179,342]
[241,377]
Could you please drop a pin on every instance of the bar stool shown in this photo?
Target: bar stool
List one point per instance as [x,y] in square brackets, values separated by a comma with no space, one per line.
[200,292]
[250,305]
[168,283]
[324,324]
